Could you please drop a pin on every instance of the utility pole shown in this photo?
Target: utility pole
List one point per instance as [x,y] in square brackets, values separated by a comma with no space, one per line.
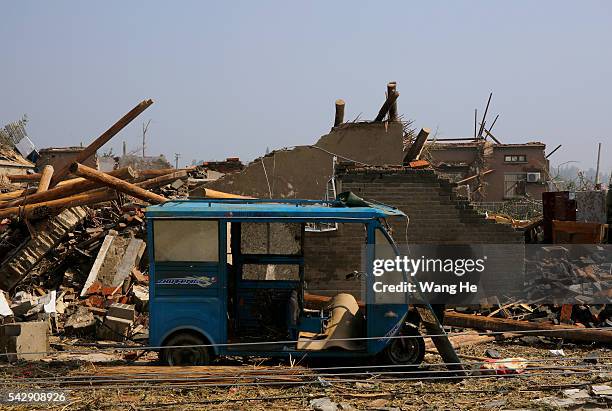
[597,184]
[176,160]
[145,127]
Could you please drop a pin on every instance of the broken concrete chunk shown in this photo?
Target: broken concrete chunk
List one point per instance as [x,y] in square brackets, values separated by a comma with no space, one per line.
[114,329]
[576,393]
[141,295]
[323,404]
[23,303]
[601,389]
[177,184]
[115,261]
[125,311]
[24,341]
[82,322]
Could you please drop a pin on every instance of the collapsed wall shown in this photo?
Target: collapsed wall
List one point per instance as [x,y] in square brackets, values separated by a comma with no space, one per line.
[303,171]
[435,214]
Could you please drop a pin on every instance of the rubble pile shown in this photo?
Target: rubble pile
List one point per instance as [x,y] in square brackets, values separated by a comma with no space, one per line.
[84,270]
[585,277]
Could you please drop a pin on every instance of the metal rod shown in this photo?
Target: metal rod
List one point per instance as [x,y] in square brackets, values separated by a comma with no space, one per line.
[553,152]
[484,116]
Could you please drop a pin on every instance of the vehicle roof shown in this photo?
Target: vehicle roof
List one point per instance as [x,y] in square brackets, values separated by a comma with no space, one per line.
[240,208]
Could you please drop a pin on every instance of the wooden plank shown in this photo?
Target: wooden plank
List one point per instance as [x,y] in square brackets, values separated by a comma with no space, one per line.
[565,331]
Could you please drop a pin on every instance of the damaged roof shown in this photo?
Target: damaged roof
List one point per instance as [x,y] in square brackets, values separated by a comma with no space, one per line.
[301,209]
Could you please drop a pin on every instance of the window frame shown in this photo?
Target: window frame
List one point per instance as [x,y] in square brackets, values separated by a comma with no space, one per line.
[204,258]
[515,158]
[508,194]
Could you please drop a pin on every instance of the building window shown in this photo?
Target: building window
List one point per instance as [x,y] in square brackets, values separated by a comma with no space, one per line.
[514,185]
[518,158]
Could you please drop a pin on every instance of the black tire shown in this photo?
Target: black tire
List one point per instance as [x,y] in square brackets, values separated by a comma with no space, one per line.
[405,351]
[186,355]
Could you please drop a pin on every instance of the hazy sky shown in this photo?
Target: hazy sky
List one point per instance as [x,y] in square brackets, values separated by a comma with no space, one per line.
[232,78]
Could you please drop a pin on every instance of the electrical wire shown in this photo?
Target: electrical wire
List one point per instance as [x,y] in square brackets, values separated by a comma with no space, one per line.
[286,342]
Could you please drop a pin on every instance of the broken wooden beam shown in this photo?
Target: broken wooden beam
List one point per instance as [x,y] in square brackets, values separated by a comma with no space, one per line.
[565,331]
[144,174]
[339,118]
[465,180]
[392,98]
[163,180]
[116,184]
[92,148]
[65,189]
[220,194]
[416,148]
[43,209]
[391,89]
[100,195]
[45,179]
[23,178]
[15,194]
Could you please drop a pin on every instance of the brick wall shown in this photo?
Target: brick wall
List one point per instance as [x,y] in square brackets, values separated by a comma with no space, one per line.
[436,217]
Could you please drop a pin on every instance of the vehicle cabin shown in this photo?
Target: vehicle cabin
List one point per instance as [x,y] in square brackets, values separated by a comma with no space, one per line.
[227,278]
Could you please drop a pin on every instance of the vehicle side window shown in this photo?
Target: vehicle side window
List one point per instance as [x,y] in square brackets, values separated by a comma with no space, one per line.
[271,238]
[186,240]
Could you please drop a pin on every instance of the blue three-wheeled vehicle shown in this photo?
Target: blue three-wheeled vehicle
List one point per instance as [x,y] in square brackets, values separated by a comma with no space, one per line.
[227,278]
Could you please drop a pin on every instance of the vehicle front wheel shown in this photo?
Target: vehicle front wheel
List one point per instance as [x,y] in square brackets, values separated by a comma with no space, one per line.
[191,354]
[408,349]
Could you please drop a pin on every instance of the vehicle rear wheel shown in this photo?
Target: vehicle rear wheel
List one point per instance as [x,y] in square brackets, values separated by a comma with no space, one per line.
[409,349]
[185,355]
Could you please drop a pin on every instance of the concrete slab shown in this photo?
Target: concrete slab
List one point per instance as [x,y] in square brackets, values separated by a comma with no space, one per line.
[24,341]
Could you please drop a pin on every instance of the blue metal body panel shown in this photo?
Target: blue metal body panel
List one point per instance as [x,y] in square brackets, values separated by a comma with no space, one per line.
[175,307]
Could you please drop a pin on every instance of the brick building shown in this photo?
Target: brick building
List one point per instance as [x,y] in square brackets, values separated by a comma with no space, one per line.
[512,170]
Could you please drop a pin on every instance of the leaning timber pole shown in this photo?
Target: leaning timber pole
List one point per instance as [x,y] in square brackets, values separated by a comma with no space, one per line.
[392,89]
[391,99]
[45,179]
[103,139]
[416,148]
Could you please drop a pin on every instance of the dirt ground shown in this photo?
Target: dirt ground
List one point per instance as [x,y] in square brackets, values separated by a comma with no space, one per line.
[541,387]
